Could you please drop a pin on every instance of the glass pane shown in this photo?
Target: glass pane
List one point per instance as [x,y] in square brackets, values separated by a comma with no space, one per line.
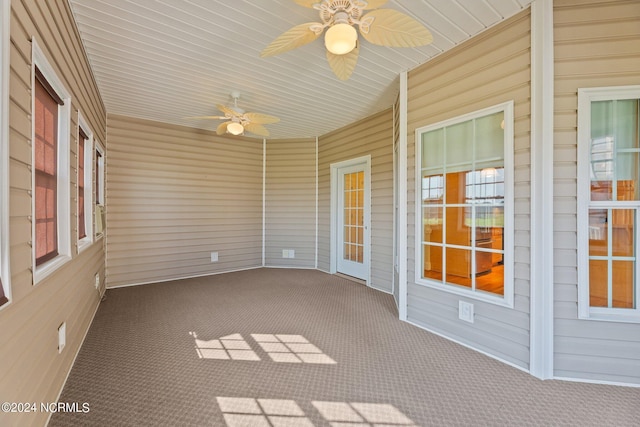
[433,149]
[490,276]
[490,138]
[432,257]
[626,123]
[360,256]
[456,188]
[360,177]
[598,232]
[459,143]
[623,284]
[601,120]
[623,232]
[458,266]
[432,224]
[359,216]
[457,233]
[346,251]
[598,283]
[488,218]
[602,150]
[627,176]
[486,186]
[432,189]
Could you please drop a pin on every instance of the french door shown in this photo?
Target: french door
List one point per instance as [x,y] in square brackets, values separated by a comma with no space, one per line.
[352,222]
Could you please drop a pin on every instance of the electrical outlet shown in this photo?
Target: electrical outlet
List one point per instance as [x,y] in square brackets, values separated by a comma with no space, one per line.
[97,280]
[465,311]
[285,253]
[214,256]
[292,253]
[62,336]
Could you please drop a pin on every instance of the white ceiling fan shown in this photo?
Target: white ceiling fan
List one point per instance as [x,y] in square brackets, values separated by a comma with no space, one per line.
[239,121]
[384,27]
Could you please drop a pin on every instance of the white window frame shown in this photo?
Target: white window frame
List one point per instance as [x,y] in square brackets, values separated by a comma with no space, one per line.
[508,297]
[585,97]
[88,185]
[40,272]
[5,272]
[99,201]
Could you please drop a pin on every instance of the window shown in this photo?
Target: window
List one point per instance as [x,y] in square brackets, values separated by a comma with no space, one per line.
[51,210]
[85,177]
[609,202]
[466,205]
[99,186]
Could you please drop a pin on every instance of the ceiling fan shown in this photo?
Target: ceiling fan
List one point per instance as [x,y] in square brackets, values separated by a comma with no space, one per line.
[384,27]
[239,121]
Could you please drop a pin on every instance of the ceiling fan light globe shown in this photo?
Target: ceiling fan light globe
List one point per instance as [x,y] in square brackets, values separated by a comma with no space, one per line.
[340,39]
[235,128]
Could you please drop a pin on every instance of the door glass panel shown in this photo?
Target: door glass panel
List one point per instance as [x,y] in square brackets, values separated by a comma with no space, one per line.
[354,216]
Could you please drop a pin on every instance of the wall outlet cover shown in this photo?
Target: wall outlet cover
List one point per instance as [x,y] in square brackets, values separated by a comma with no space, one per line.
[62,336]
[214,256]
[465,311]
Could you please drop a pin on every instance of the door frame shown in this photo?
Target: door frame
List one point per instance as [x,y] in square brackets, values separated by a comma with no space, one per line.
[333,241]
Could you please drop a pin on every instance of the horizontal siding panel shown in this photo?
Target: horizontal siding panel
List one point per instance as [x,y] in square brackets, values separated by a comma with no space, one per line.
[35,371]
[175,194]
[596,44]
[491,68]
[371,136]
[290,202]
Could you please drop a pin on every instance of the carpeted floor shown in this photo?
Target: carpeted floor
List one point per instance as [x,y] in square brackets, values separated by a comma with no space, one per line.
[275,347]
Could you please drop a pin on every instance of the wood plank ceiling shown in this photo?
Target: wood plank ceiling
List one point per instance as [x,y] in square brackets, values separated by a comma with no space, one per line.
[167,60]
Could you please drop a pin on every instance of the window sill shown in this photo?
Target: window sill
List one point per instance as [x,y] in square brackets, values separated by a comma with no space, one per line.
[84,243]
[613,315]
[459,290]
[45,270]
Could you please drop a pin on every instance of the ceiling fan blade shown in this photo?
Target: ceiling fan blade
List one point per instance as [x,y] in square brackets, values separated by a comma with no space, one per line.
[291,39]
[307,3]
[259,118]
[374,4]
[388,27]
[222,128]
[226,110]
[343,65]
[257,129]
[206,117]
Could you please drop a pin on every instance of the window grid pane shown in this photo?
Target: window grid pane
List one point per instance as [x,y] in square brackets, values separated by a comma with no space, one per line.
[46,180]
[463,204]
[614,170]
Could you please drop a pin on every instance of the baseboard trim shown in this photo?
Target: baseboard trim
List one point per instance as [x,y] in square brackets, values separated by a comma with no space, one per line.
[601,382]
[184,277]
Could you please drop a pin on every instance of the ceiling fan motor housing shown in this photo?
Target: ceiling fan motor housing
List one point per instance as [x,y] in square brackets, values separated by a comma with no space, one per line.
[340,12]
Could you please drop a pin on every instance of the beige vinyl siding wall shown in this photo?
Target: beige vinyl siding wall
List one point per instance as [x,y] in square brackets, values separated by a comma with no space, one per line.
[174,195]
[290,211]
[32,369]
[597,43]
[490,69]
[371,136]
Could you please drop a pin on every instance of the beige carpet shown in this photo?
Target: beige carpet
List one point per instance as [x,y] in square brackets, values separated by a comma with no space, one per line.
[273,347]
